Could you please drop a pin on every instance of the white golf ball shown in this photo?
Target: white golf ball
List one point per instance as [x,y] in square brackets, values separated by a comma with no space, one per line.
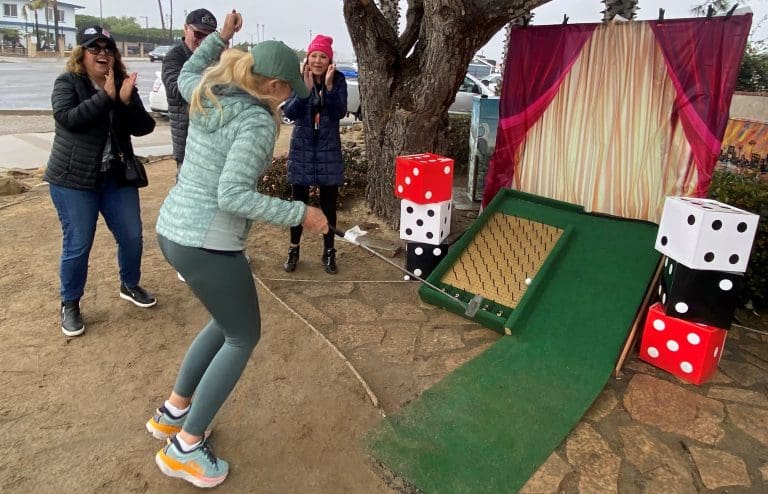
[527,281]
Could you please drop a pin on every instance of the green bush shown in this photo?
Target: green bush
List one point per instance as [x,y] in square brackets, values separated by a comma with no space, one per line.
[745,191]
[275,181]
[458,141]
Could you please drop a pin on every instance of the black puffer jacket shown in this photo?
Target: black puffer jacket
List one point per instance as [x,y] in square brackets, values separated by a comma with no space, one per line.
[178,108]
[81,114]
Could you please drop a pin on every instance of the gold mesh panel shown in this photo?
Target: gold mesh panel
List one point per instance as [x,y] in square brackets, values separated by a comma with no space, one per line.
[505,252]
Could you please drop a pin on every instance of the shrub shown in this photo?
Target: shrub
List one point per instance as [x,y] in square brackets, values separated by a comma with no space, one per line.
[458,141]
[275,181]
[747,192]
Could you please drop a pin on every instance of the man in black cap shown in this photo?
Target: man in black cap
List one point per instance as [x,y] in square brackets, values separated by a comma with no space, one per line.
[199,24]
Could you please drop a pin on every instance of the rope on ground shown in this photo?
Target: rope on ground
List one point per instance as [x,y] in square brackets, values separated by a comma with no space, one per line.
[749,329]
[371,395]
[297,280]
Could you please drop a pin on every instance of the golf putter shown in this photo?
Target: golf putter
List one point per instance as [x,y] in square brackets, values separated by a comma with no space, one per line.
[353,234]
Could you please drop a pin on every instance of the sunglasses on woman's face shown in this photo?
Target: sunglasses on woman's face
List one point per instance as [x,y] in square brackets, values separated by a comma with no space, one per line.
[95,50]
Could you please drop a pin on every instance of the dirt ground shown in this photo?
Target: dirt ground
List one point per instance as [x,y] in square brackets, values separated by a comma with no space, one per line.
[72,410]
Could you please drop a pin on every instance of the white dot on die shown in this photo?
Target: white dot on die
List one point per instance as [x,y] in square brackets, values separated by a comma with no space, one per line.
[659,325]
[527,281]
[673,346]
[400,189]
[681,307]
[447,170]
[663,298]
[406,278]
[407,180]
[436,251]
[686,367]
[670,269]
[725,285]
[693,338]
[428,194]
[418,251]
[415,172]
[417,272]
[653,352]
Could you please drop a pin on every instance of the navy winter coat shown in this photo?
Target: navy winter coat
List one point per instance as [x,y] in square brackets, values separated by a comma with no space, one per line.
[315,155]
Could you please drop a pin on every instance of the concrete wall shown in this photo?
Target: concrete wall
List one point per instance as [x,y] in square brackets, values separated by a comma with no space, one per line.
[750,106]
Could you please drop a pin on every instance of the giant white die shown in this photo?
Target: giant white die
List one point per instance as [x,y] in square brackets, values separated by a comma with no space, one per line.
[427,223]
[706,234]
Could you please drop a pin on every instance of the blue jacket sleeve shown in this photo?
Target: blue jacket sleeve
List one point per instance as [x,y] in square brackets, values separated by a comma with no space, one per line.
[336,98]
[295,107]
[205,55]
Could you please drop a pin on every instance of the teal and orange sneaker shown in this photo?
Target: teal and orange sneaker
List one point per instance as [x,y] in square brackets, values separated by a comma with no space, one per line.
[163,425]
[200,466]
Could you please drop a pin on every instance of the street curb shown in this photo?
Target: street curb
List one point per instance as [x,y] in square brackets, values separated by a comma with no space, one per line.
[25,112]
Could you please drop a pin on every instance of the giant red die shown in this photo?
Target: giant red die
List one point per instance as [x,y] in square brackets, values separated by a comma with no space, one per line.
[424,178]
[689,350]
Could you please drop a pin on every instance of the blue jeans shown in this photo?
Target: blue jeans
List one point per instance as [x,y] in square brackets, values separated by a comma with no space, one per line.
[78,212]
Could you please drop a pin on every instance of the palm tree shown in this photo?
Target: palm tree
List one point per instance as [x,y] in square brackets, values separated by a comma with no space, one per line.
[34,6]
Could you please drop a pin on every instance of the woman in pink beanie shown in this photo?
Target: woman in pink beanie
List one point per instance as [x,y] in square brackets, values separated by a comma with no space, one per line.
[315,154]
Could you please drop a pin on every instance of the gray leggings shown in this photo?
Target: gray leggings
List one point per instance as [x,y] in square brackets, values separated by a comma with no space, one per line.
[217,356]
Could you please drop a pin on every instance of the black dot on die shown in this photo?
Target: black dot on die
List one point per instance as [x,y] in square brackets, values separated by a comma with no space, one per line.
[709,256]
[430,213]
[691,219]
[419,222]
[408,231]
[717,224]
[409,210]
[430,235]
[734,259]
[742,227]
[664,240]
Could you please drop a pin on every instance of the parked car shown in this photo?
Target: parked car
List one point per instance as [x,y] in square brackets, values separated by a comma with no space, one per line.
[471,87]
[157,100]
[159,53]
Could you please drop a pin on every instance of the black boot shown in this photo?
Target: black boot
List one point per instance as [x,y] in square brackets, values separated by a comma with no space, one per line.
[293,259]
[71,319]
[329,261]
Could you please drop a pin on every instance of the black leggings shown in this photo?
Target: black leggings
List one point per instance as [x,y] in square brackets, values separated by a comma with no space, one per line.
[329,195]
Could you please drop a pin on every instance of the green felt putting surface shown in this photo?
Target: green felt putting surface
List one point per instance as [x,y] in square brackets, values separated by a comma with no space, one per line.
[490,424]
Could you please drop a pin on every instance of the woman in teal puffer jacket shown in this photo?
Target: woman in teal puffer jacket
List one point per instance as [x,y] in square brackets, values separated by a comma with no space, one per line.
[203,223]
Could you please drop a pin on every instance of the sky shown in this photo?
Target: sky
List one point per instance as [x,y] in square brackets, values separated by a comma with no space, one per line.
[296,21]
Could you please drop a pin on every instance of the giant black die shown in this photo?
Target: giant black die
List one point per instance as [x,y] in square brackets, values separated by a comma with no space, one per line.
[701,296]
[421,259]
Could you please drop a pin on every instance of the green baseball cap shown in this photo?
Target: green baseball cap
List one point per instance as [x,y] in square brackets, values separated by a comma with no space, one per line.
[275,59]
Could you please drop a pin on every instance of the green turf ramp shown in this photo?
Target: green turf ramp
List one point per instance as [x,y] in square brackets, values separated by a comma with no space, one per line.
[490,424]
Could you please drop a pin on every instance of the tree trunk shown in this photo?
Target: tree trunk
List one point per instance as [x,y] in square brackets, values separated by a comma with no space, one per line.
[162,19]
[56,24]
[408,82]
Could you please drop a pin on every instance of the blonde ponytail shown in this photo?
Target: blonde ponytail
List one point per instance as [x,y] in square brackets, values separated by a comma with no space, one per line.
[233,69]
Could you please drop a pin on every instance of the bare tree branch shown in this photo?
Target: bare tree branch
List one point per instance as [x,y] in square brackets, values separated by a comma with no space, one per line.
[413,18]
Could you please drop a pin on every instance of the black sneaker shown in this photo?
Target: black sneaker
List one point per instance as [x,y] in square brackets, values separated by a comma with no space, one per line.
[329,261]
[137,295]
[71,319]
[293,259]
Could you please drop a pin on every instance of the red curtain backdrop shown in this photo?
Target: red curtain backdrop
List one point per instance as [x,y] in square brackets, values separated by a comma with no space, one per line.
[703,58]
[537,60]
